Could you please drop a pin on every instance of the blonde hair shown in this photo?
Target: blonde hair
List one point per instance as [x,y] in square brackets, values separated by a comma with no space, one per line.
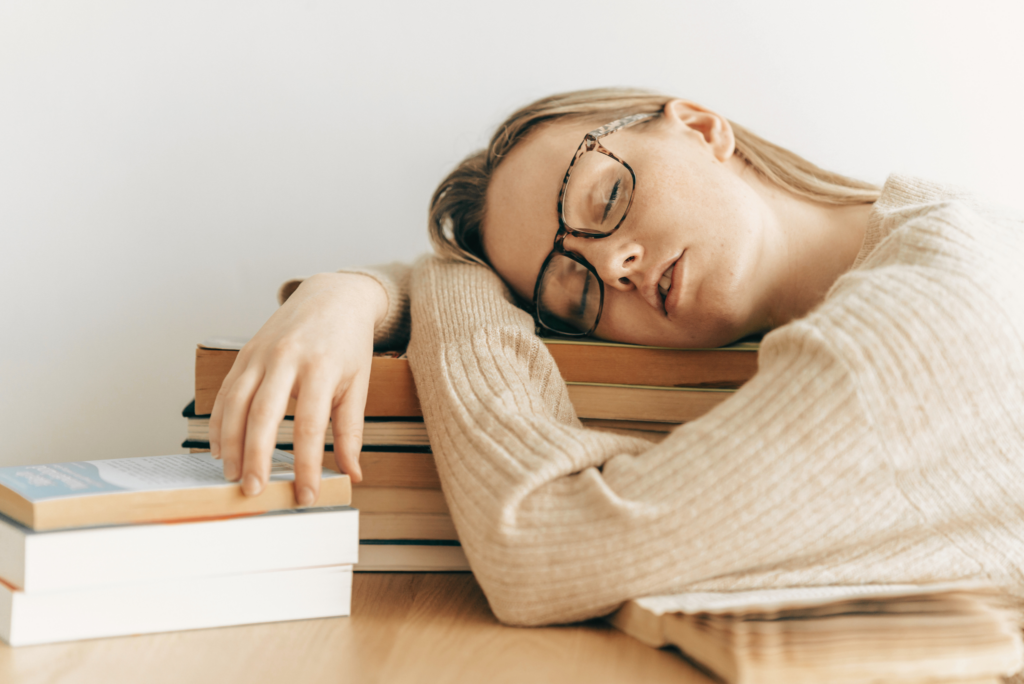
[458,205]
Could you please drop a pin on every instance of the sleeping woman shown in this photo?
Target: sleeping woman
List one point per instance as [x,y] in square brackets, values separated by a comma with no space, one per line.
[881,440]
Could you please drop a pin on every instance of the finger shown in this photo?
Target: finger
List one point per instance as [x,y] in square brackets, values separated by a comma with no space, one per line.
[232,425]
[312,411]
[347,426]
[213,436]
[265,416]
[217,414]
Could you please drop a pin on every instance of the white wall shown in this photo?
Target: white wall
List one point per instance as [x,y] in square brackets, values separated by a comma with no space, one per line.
[163,165]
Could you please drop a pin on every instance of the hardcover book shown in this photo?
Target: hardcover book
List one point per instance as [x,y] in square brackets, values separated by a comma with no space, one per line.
[169,605]
[411,555]
[392,393]
[66,560]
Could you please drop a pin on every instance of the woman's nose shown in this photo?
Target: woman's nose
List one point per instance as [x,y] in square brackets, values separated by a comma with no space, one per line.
[616,259]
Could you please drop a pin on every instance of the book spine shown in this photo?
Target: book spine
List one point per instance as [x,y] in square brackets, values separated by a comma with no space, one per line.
[13,542]
[392,391]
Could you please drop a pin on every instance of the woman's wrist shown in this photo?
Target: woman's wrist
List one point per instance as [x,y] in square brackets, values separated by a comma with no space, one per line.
[354,289]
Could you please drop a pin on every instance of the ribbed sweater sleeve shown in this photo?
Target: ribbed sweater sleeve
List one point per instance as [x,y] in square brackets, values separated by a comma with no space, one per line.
[809,475]
[393,330]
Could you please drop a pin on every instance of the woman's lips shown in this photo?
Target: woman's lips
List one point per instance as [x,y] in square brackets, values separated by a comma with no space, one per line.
[675,291]
[665,282]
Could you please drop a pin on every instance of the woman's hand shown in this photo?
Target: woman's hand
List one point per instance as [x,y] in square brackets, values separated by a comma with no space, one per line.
[317,348]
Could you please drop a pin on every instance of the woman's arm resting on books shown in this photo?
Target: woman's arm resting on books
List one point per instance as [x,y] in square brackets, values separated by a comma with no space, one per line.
[317,348]
[561,523]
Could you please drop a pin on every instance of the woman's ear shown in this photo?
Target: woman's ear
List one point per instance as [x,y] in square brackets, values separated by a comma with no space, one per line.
[715,129]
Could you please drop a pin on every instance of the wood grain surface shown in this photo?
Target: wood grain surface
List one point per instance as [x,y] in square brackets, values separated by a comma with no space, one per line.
[405,627]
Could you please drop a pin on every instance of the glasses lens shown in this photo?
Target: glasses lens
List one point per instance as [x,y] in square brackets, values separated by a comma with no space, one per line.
[597,194]
[569,298]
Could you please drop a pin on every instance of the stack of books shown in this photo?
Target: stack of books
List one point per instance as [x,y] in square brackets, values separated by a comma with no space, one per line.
[161,543]
[404,520]
[898,633]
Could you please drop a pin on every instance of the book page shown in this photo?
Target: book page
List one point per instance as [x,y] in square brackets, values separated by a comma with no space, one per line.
[779,599]
[147,473]
[228,343]
[236,344]
[752,343]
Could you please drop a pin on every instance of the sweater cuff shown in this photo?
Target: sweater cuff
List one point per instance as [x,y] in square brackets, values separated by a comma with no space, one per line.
[393,331]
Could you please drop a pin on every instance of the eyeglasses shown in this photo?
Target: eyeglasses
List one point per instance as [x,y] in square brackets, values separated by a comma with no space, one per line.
[595,198]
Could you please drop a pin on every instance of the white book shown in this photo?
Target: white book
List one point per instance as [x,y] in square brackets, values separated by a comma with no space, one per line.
[61,560]
[194,603]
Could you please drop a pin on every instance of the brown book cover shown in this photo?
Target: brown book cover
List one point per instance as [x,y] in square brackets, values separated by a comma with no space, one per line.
[422,526]
[633,403]
[392,392]
[610,363]
[371,499]
[386,467]
[622,403]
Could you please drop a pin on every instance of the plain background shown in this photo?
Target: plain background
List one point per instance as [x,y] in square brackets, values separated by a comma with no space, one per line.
[165,165]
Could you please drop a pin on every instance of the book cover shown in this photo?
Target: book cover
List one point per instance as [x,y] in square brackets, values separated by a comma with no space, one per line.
[147,489]
[177,604]
[411,555]
[105,555]
[392,392]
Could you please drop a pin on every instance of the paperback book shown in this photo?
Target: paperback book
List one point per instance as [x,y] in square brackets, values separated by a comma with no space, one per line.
[147,489]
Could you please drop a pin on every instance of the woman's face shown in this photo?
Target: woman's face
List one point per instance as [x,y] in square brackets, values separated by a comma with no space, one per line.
[698,213]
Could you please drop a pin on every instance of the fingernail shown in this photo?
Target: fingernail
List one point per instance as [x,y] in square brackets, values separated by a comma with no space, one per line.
[306,497]
[252,485]
[215,451]
[230,471]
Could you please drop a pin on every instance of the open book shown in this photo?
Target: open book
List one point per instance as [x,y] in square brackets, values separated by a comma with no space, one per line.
[840,635]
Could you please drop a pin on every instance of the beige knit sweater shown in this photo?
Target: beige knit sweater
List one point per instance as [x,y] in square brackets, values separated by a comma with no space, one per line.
[882,439]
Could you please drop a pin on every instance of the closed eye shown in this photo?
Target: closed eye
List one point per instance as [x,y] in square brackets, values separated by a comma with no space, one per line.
[611,200]
[586,292]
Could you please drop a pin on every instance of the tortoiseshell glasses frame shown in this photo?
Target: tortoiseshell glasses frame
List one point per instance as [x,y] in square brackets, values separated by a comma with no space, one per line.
[591,143]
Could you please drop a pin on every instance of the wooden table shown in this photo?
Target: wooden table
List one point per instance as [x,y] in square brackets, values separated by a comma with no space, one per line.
[405,627]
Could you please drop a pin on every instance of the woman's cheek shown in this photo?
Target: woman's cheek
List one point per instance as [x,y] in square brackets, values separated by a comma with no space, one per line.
[627,318]
[616,324]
